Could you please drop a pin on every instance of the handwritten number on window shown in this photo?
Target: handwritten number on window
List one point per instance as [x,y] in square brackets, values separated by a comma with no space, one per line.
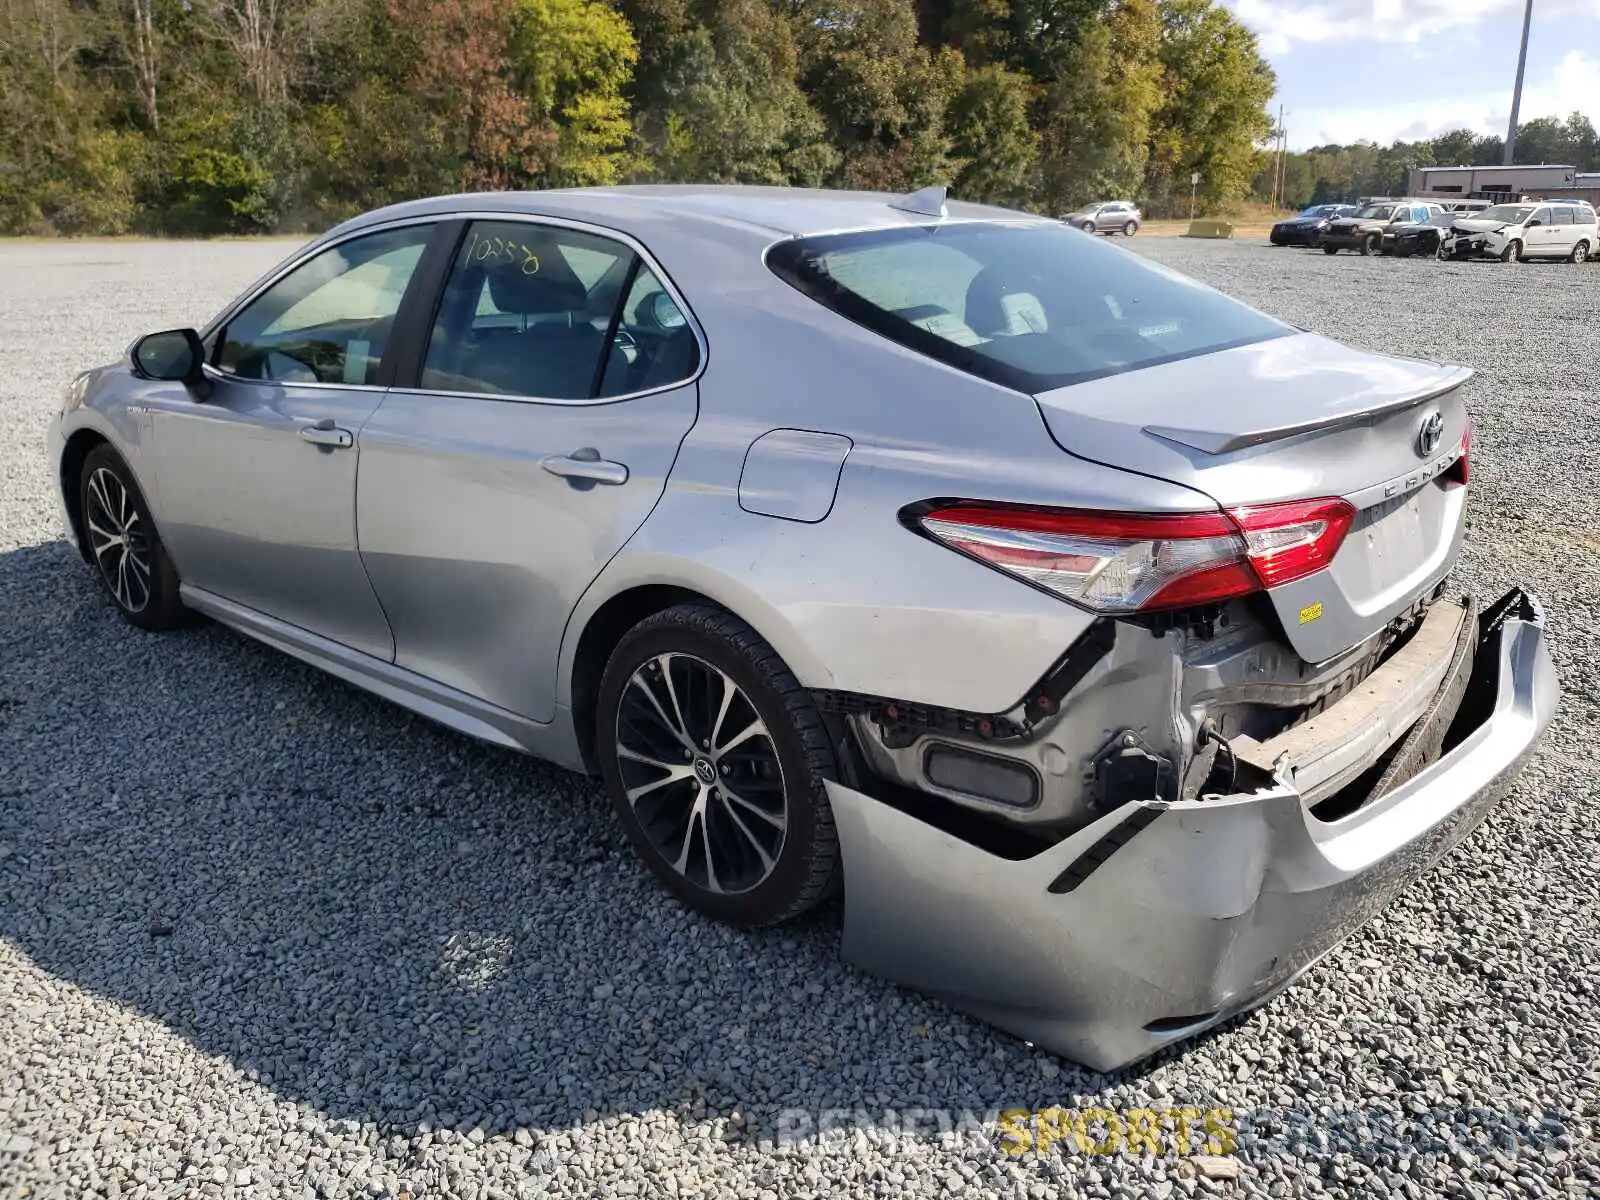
[502,250]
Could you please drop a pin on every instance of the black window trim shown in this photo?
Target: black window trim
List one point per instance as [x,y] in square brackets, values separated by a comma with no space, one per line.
[779,259]
[409,382]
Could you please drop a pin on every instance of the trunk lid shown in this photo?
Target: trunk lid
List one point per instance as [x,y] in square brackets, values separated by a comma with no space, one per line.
[1294,418]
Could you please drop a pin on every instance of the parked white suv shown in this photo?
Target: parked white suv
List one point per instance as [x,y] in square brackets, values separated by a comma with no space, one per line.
[1533,229]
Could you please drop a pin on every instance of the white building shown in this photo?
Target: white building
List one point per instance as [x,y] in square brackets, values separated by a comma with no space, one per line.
[1487,183]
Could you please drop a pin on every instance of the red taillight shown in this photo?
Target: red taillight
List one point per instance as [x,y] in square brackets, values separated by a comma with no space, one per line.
[1290,541]
[1137,562]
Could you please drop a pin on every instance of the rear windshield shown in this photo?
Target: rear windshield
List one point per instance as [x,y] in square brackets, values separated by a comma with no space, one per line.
[1032,307]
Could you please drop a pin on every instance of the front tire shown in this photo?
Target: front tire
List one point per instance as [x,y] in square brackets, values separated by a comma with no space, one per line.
[1330,249]
[1371,244]
[1512,252]
[124,546]
[714,757]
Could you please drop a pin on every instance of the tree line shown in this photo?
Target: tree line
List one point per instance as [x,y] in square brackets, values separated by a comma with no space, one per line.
[1331,174]
[239,116]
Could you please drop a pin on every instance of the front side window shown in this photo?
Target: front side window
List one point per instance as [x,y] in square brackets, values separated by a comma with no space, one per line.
[549,313]
[1032,307]
[329,319]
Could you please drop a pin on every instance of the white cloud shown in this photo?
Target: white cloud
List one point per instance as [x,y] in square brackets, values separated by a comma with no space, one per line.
[1280,24]
[1574,85]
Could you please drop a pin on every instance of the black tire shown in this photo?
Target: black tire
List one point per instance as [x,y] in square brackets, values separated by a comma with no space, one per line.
[1512,252]
[124,545]
[1370,244]
[1580,253]
[803,866]
[1330,249]
[1131,228]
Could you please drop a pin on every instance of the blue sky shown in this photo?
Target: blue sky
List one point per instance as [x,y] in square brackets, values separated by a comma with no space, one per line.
[1387,69]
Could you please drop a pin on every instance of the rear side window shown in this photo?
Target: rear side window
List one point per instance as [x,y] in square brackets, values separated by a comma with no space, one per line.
[1032,307]
[548,312]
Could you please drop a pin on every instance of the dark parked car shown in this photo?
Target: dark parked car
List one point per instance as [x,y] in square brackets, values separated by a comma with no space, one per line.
[1417,237]
[1365,230]
[1305,228]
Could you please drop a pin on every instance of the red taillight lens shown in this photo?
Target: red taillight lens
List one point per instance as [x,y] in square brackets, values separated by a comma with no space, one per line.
[1138,562]
[1290,541]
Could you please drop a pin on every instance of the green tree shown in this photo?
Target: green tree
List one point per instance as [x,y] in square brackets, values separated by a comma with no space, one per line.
[1215,88]
[991,137]
[1097,112]
[728,106]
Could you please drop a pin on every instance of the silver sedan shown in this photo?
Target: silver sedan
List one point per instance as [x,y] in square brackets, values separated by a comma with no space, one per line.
[1090,631]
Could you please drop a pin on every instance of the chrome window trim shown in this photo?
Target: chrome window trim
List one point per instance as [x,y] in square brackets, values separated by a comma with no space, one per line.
[600,231]
[307,252]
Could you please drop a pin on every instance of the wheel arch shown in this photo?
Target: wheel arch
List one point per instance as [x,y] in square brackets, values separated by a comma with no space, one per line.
[607,626]
[78,448]
[604,622]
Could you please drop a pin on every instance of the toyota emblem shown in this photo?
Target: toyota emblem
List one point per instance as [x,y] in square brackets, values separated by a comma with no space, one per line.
[1429,434]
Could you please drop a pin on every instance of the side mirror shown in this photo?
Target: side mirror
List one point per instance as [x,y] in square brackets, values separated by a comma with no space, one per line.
[1534,222]
[174,354]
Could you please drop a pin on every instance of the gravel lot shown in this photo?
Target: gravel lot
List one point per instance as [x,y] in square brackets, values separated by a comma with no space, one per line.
[262,935]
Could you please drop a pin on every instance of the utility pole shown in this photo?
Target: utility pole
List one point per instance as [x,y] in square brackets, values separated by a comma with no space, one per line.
[1277,163]
[1516,92]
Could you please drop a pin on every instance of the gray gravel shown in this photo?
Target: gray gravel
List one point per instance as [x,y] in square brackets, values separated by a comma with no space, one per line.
[262,935]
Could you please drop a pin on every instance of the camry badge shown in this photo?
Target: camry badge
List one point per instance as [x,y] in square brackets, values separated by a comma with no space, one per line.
[1429,434]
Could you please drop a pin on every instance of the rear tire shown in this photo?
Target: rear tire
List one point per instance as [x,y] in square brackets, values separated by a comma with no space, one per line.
[1580,253]
[721,794]
[129,557]
[1131,228]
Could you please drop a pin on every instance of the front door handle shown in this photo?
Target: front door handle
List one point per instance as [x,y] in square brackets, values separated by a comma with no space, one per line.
[584,468]
[326,433]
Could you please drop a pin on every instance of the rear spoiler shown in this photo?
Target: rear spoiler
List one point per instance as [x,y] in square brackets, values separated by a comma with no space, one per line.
[1222,442]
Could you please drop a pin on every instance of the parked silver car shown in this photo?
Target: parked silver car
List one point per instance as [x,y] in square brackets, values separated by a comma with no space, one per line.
[1111,216]
[1091,629]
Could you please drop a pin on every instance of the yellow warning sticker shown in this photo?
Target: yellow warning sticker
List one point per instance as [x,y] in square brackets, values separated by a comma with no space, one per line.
[1310,613]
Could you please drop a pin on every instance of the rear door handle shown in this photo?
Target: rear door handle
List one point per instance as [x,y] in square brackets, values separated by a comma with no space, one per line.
[584,468]
[326,433]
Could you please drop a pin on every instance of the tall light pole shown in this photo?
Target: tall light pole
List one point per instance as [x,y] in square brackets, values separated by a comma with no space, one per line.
[1516,93]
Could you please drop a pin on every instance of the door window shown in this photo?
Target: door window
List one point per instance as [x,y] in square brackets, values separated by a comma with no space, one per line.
[1563,216]
[552,313]
[1540,217]
[329,319]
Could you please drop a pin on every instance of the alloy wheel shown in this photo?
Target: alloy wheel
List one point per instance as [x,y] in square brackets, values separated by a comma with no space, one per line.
[119,540]
[701,773]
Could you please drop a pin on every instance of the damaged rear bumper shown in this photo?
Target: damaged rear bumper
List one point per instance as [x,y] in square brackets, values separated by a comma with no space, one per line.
[1161,919]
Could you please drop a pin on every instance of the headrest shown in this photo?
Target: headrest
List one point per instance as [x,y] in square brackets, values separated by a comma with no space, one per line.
[985,314]
[515,291]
